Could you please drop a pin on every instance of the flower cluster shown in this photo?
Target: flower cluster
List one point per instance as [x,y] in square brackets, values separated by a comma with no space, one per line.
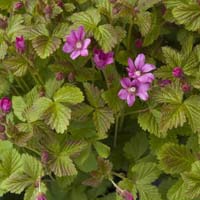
[138,81]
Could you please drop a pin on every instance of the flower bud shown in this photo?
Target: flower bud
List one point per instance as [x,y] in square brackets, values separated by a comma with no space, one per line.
[41,196]
[45,157]
[3,24]
[177,72]
[165,82]
[2,128]
[138,43]
[60,3]
[186,87]
[59,76]
[127,195]
[71,77]
[18,5]
[20,44]
[48,11]
[5,104]
[3,136]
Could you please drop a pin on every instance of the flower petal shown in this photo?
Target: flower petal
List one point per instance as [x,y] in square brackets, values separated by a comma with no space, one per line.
[131,65]
[142,91]
[122,94]
[86,43]
[80,33]
[148,67]
[84,52]
[67,48]
[75,54]
[125,82]
[139,61]
[146,78]
[130,99]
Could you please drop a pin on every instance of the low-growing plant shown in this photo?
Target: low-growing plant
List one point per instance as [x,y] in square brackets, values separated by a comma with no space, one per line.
[100,99]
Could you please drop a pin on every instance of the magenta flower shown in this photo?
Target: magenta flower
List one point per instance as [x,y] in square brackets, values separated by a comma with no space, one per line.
[76,44]
[127,195]
[41,196]
[140,70]
[177,72]
[20,44]
[5,104]
[138,43]
[102,59]
[131,89]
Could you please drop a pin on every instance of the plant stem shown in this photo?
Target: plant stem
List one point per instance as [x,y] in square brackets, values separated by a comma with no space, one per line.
[118,175]
[116,131]
[136,111]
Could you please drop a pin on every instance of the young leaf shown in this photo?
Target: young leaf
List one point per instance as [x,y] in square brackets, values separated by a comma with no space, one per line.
[69,94]
[57,117]
[175,158]
[102,149]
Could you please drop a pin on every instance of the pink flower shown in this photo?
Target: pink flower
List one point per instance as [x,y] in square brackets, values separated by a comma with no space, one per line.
[102,59]
[138,43]
[20,44]
[186,87]
[5,104]
[131,89]
[76,44]
[140,70]
[127,195]
[41,196]
[177,72]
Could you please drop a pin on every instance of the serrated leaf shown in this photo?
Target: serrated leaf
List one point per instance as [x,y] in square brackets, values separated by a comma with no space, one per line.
[89,19]
[17,65]
[106,36]
[60,30]
[175,158]
[146,4]
[136,147]
[19,107]
[103,118]
[3,49]
[172,57]
[148,192]
[189,15]
[102,149]
[4,5]
[57,117]
[192,111]
[145,172]
[38,108]
[69,94]
[192,181]
[45,46]
[177,191]
[149,121]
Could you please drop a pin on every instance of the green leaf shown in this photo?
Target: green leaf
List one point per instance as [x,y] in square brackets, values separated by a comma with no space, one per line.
[107,37]
[172,116]
[69,94]
[89,19]
[103,118]
[146,4]
[57,117]
[192,111]
[17,65]
[177,191]
[136,147]
[3,50]
[45,46]
[19,107]
[148,192]
[189,15]
[149,121]
[172,57]
[192,181]
[145,173]
[38,108]
[14,26]
[102,149]
[4,5]
[175,158]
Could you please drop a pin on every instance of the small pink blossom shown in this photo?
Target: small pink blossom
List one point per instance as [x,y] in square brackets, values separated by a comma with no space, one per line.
[20,44]
[102,59]
[18,5]
[177,72]
[131,89]
[140,70]
[41,196]
[76,44]
[5,104]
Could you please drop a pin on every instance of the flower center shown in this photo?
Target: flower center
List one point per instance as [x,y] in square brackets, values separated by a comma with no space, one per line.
[78,45]
[138,73]
[132,89]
